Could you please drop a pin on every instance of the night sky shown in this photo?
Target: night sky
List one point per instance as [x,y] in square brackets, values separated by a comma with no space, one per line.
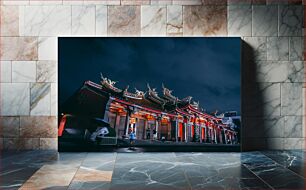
[208,69]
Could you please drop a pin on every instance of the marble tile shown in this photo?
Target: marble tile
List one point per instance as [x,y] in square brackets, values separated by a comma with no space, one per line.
[15,2]
[46,2]
[73,2]
[40,101]
[47,48]
[6,71]
[264,22]
[291,99]
[239,2]
[48,143]
[135,2]
[293,127]
[92,175]
[123,20]
[175,20]
[15,99]
[54,99]
[290,20]
[278,48]
[214,2]
[102,2]
[189,2]
[23,71]
[262,99]
[56,176]
[239,20]
[9,21]
[161,2]
[49,20]
[205,20]
[21,143]
[18,48]
[101,20]
[258,46]
[275,143]
[296,47]
[294,143]
[79,185]
[279,71]
[46,71]
[83,20]
[9,126]
[153,20]
[38,126]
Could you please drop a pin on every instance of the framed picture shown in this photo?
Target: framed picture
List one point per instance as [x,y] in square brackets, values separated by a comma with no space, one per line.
[149,94]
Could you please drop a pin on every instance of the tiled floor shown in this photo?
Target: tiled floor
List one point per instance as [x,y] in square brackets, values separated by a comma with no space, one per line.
[249,170]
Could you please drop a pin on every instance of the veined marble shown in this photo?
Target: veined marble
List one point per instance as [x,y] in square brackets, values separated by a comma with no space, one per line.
[279,71]
[46,71]
[83,20]
[290,20]
[9,127]
[239,20]
[262,99]
[48,143]
[135,2]
[23,71]
[40,101]
[73,2]
[258,46]
[15,99]
[292,98]
[293,127]
[102,2]
[38,126]
[126,22]
[15,2]
[184,2]
[153,20]
[54,96]
[47,20]
[21,143]
[296,48]
[278,48]
[46,2]
[205,20]
[6,71]
[18,48]
[9,21]
[161,2]
[101,20]
[265,21]
[294,143]
[175,20]
[47,48]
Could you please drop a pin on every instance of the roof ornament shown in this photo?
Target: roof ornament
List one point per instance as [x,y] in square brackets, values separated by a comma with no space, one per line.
[139,92]
[107,80]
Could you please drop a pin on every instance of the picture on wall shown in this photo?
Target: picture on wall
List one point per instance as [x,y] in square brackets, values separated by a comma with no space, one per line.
[149,93]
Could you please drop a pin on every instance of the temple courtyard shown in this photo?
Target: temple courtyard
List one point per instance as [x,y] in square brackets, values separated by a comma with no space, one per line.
[152,170]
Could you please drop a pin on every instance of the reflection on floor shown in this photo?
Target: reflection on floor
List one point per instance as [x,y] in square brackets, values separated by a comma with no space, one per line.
[250,170]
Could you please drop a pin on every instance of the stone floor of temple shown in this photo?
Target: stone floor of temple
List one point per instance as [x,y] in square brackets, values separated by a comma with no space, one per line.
[67,170]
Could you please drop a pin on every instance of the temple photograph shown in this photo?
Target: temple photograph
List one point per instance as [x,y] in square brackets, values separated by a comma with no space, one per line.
[149,93]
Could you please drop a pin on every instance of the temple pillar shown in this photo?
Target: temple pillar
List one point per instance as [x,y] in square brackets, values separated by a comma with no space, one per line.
[127,123]
[117,122]
[144,133]
[200,133]
[186,136]
[215,130]
[225,136]
[156,128]
[176,130]
[135,126]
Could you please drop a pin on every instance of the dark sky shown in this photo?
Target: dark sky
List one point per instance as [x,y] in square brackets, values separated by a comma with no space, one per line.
[208,69]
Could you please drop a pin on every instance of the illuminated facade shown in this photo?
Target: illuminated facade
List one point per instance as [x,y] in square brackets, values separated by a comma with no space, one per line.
[156,118]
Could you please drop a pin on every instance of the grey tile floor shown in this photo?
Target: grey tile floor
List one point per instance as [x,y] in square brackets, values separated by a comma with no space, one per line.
[248,170]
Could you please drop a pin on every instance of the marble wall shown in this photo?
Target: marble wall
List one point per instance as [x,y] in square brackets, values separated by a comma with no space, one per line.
[272,59]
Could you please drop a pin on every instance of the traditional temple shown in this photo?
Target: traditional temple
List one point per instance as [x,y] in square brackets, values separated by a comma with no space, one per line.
[152,116]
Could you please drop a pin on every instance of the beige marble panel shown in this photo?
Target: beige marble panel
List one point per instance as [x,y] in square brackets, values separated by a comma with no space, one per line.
[54,96]
[73,2]
[46,2]
[40,101]
[187,2]
[9,126]
[50,176]
[123,20]
[48,143]
[205,20]
[161,2]
[15,2]
[102,2]
[46,71]
[153,20]
[90,174]
[9,21]
[23,71]
[101,20]
[38,126]
[83,20]
[21,143]
[18,48]
[47,48]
